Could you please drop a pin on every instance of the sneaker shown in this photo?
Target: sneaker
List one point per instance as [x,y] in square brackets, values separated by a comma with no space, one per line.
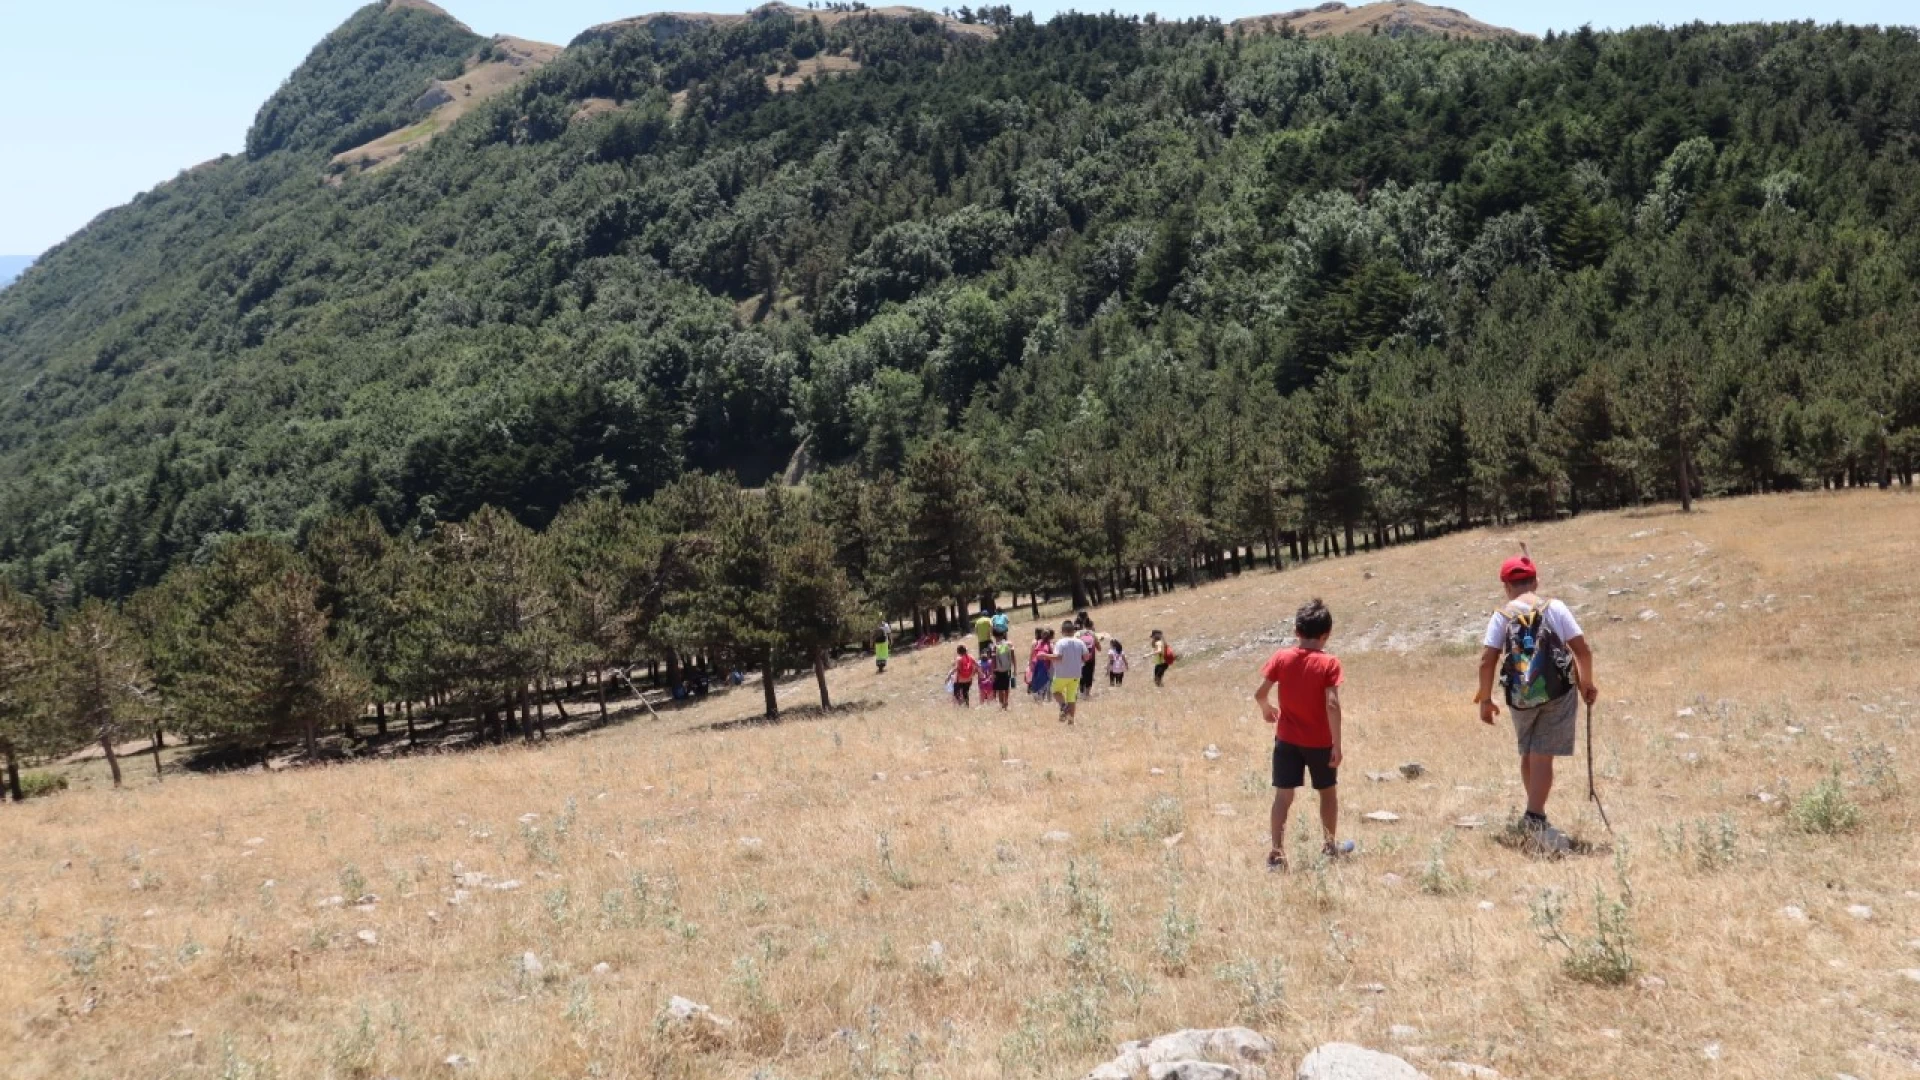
[1551,841]
[1338,850]
[1276,862]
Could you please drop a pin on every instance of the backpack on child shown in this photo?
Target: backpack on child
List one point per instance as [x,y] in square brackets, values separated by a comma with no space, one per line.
[1535,668]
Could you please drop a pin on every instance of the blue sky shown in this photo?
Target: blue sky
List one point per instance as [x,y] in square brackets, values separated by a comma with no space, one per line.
[102,100]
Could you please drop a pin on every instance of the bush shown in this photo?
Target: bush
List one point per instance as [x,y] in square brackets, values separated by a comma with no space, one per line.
[35,784]
[1826,809]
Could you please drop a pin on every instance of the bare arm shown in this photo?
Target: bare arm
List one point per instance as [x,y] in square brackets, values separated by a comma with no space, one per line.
[1333,724]
[1489,666]
[1265,698]
[1583,663]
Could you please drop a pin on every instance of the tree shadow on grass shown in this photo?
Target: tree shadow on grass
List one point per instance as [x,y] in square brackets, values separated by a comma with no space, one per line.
[797,715]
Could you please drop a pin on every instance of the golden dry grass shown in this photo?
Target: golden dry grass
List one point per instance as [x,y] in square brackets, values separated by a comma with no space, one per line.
[795,877]
[514,59]
[1394,17]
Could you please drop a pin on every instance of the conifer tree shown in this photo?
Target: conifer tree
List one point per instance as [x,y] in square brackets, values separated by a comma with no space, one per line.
[23,664]
[815,605]
[953,548]
[103,690]
[274,672]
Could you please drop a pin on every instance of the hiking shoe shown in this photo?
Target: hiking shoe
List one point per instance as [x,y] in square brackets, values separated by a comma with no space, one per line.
[1276,862]
[1551,841]
[1339,850]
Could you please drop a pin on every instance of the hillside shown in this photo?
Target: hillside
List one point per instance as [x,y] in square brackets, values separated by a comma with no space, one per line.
[1394,18]
[902,888]
[12,266]
[1250,287]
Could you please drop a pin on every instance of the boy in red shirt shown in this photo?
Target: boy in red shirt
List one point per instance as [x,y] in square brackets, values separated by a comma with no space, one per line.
[1306,726]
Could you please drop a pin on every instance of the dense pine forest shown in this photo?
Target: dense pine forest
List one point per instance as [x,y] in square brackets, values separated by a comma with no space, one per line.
[1075,307]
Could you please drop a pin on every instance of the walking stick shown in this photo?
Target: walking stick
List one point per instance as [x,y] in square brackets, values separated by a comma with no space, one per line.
[1593,791]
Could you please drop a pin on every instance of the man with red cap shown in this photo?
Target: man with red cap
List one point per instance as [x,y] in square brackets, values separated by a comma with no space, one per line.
[1541,656]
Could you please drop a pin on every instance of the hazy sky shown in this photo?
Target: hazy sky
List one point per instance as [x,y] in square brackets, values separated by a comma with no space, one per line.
[102,99]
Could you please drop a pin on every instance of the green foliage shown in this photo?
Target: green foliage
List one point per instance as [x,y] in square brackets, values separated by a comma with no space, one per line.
[361,81]
[1604,955]
[35,784]
[1826,809]
[1075,309]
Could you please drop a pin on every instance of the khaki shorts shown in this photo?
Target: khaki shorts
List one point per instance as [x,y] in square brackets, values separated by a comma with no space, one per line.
[1550,728]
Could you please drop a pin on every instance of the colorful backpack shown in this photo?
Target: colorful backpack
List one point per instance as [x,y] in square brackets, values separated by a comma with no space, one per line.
[1534,670]
[1001,625]
[1003,657]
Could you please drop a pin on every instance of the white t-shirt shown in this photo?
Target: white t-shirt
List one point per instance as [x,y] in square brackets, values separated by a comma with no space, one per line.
[1559,619]
[1117,663]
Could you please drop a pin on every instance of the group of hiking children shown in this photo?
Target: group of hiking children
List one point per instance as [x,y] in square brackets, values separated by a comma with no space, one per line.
[1061,666]
[1535,649]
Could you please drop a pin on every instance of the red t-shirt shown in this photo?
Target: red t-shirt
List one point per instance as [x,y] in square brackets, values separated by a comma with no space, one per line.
[964,668]
[1304,676]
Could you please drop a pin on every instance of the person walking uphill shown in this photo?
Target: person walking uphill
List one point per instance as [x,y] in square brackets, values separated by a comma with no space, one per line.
[1306,727]
[1540,656]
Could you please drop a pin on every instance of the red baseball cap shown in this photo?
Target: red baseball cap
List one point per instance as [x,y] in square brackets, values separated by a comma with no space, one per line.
[1518,568]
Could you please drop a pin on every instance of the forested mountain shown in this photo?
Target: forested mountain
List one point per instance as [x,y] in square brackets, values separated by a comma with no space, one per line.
[1172,285]
[12,266]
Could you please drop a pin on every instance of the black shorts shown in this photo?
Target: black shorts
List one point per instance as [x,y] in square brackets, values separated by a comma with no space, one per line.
[1002,682]
[1291,764]
[1086,676]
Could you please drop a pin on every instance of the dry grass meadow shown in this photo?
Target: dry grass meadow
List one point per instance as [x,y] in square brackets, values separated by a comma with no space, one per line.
[797,877]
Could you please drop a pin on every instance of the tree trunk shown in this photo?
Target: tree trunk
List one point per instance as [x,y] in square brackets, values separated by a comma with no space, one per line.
[1684,475]
[380,718]
[159,744]
[560,707]
[13,772]
[767,687]
[820,676]
[601,690]
[407,709]
[113,760]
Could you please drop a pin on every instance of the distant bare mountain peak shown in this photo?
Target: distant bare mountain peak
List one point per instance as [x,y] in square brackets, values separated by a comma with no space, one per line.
[1394,18]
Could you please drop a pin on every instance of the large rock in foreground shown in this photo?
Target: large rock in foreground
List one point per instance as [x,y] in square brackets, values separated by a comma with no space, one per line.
[1194,1054]
[1345,1061]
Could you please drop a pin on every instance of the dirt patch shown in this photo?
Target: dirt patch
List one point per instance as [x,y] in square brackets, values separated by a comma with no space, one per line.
[593,108]
[813,67]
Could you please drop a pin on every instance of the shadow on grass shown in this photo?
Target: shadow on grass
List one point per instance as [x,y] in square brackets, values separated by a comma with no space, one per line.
[798,715]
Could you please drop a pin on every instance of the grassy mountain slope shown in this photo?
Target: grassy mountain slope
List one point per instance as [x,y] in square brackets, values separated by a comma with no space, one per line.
[1394,18]
[1460,280]
[795,876]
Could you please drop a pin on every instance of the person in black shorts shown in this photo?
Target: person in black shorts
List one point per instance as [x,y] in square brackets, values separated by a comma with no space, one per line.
[1002,668]
[1306,727]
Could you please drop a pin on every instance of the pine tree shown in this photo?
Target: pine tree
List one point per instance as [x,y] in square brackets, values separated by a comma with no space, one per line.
[600,553]
[274,672]
[23,669]
[953,548]
[501,621]
[103,689]
[815,606]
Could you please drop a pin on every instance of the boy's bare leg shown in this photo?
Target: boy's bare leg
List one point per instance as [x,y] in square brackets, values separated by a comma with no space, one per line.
[1329,811]
[1282,805]
[1536,773]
